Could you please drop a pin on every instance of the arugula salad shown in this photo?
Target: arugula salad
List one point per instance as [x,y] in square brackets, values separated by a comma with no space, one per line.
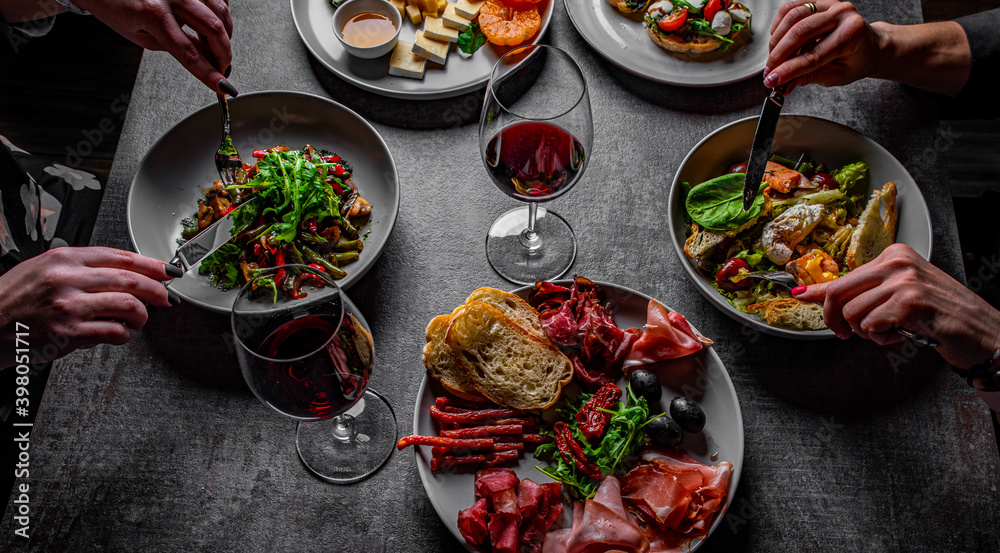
[802,221]
[306,210]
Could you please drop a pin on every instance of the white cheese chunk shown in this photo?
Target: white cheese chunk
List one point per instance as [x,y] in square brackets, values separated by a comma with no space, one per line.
[663,7]
[433,50]
[453,20]
[469,9]
[434,29]
[405,63]
[722,23]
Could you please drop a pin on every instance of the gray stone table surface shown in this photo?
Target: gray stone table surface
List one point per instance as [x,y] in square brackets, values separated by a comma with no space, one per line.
[158,445]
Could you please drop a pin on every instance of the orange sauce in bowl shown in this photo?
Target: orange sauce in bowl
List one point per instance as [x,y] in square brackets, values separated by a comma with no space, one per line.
[368,29]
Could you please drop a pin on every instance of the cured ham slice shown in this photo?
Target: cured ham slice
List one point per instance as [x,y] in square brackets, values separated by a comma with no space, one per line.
[661,496]
[601,525]
[667,335]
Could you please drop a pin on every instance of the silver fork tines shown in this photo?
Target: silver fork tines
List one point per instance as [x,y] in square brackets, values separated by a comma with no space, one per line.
[227,159]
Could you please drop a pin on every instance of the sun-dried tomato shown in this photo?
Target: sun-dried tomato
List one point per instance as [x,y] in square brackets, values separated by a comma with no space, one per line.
[572,452]
[594,422]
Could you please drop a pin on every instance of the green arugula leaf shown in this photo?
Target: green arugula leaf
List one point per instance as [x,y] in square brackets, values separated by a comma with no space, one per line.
[471,39]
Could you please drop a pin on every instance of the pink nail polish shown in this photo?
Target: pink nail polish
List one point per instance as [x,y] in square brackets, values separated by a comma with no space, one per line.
[798,290]
[770,80]
[766,71]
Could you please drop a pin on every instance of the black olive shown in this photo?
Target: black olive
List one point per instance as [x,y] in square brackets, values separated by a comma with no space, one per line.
[688,414]
[645,384]
[664,430]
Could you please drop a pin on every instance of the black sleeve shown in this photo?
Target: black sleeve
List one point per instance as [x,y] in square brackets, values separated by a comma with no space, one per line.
[978,99]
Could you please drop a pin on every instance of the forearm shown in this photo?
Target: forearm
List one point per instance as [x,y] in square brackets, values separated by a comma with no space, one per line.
[17,11]
[933,56]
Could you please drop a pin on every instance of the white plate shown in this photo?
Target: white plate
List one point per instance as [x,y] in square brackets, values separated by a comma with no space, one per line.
[462,73]
[178,168]
[623,40]
[701,376]
[831,143]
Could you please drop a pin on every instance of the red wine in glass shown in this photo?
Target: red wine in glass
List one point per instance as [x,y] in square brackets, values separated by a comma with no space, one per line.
[308,371]
[534,161]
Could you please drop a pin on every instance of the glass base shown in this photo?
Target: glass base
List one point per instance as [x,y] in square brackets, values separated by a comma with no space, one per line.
[351,447]
[549,258]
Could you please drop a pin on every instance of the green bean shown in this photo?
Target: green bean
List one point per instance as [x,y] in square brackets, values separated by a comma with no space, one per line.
[350,245]
[295,255]
[330,268]
[313,238]
[344,258]
[349,231]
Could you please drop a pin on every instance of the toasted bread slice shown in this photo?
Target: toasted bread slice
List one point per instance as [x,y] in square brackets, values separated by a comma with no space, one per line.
[503,361]
[701,241]
[792,313]
[687,43]
[629,6]
[442,361]
[515,308]
[875,231]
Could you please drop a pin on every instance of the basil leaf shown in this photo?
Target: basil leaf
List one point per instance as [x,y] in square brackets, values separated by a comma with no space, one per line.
[471,39]
[717,204]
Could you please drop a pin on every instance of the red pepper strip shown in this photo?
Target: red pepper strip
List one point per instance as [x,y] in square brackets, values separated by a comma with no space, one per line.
[338,170]
[279,277]
[489,460]
[317,267]
[311,224]
[451,443]
[256,249]
[477,431]
[259,153]
[592,421]
[568,446]
[228,210]
[472,416]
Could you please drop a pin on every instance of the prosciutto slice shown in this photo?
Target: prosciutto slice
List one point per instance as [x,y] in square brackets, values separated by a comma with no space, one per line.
[601,525]
[667,335]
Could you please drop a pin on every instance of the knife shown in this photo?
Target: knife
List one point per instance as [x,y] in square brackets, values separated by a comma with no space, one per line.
[213,237]
[762,140]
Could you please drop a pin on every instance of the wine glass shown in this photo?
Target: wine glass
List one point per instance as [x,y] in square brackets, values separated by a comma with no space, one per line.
[535,135]
[305,351]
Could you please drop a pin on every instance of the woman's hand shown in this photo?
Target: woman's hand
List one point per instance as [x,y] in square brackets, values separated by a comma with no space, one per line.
[900,289]
[157,25]
[73,297]
[831,47]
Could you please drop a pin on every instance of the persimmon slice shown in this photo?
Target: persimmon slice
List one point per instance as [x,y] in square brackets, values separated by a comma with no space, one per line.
[506,25]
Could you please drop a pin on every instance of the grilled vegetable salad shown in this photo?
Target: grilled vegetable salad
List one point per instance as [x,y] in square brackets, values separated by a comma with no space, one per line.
[802,222]
[306,211]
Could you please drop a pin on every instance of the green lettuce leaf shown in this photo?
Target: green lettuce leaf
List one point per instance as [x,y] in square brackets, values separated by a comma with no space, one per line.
[717,204]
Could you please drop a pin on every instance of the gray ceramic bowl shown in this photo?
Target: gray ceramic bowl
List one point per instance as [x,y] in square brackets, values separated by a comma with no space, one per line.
[723,433]
[354,7]
[178,168]
[835,145]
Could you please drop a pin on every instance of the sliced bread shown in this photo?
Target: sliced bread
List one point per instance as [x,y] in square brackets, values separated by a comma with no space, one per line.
[515,308]
[791,313]
[442,361]
[876,228]
[503,361]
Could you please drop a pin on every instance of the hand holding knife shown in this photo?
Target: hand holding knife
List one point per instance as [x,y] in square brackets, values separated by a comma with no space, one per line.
[761,149]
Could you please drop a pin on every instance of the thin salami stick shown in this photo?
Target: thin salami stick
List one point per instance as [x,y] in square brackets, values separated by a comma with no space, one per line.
[488,459]
[451,443]
[473,416]
[532,438]
[523,421]
[442,401]
[499,446]
[478,431]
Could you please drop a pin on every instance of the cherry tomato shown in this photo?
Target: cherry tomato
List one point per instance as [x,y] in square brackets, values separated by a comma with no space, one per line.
[740,167]
[673,20]
[712,8]
[825,181]
[728,270]
[259,153]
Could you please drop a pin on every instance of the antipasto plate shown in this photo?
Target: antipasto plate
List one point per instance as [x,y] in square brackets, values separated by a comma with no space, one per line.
[700,376]
[624,40]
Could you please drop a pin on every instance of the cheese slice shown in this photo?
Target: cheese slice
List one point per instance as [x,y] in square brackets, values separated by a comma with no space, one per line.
[469,9]
[453,20]
[405,63]
[400,5]
[433,50]
[442,4]
[413,12]
[434,29]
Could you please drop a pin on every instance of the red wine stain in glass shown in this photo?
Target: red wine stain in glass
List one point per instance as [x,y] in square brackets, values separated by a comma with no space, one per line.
[324,384]
[533,160]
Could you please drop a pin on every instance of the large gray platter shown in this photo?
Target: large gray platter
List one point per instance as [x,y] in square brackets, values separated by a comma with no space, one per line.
[462,73]
[833,144]
[178,168]
[624,41]
[701,376]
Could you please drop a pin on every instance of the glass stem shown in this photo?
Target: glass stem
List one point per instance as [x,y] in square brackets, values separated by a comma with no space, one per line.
[530,238]
[344,429]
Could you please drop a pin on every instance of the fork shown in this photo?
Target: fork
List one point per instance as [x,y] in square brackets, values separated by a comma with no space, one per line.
[784,278]
[227,159]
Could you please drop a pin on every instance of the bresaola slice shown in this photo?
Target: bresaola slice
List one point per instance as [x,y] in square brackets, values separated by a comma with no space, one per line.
[510,515]
[667,335]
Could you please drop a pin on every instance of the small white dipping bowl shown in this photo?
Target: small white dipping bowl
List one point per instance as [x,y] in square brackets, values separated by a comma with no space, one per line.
[349,9]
